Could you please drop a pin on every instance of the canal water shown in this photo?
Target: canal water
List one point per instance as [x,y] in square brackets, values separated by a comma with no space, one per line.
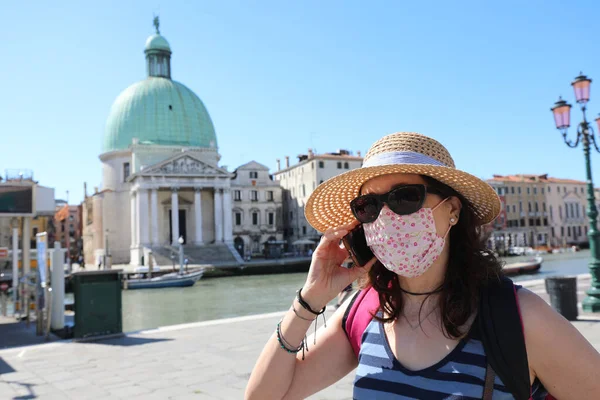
[217,298]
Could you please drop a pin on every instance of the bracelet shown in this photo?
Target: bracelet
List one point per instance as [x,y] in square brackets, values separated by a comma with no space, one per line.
[300,316]
[284,344]
[305,305]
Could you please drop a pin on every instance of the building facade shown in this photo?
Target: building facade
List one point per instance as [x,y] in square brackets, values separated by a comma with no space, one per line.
[68,229]
[540,211]
[299,181]
[161,177]
[257,210]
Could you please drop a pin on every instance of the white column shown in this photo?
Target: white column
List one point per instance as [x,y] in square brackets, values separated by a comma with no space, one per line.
[198,215]
[174,216]
[134,228]
[26,239]
[15,262]
[154,216]
[57,318]
[227,223]
[142,207]
[218,215]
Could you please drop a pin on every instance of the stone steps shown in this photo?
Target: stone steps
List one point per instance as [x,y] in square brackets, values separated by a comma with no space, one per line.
[214,254]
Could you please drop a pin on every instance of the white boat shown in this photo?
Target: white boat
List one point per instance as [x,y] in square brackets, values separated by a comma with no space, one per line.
[525,267]
[168,280]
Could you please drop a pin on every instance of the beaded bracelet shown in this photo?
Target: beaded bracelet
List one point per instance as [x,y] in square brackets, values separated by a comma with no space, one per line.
[284,344]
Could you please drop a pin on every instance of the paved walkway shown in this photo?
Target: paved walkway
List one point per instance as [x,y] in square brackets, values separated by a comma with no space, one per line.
[206,360]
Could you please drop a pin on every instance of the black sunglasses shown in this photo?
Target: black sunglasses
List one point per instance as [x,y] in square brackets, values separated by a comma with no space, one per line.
[403,200]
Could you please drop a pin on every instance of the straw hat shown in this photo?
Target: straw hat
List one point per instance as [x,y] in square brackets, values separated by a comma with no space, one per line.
[403,152]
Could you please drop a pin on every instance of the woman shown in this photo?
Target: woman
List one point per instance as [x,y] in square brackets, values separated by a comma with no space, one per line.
[421,219]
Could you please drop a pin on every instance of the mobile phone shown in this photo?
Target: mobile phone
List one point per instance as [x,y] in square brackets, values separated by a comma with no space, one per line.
[356,244]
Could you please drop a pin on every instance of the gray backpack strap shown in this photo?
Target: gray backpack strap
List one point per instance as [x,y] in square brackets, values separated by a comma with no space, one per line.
[488,388]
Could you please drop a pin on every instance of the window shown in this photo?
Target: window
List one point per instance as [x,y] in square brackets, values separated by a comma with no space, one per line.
[560,212]
[544,206]
[551,215]
[562,231]
[577,209]
[271,217]
[519,190]
[35,231]
[70,218]
[238,218]
[579,230]
[254,195]
[534,190]
[542,190]
[552,231]
[522,222]
[581,190]
[558,189]
[537,207]
[339,165]
[529,206]
[303,190]
[346,166]
[126,171]
[321,181]
[545,221]
[269,195]
[291,215]
[512,190]
[528,190]
[569,231]
[304,230]
[520,205]
[312,165]
[254,218]
[531,222]
[321,164]
[549,189]
[253,175]
[507,208]
[237,195]
[565,189]
[514,208]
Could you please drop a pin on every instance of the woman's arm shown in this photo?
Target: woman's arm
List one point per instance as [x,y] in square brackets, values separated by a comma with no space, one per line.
[280,375]
[559,356]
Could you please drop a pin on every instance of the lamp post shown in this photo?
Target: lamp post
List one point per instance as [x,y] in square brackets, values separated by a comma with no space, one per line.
[180,241]
[585,134]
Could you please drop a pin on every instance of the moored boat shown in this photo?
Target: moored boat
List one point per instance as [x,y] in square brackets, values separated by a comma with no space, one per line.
[525,267]
[164,281]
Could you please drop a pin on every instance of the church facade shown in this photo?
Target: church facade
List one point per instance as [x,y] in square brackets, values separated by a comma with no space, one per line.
[161,177]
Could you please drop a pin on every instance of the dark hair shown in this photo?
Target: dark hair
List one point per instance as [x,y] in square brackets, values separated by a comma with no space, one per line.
[470,265]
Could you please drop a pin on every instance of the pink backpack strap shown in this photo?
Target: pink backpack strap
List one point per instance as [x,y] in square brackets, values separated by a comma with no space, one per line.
[358,316]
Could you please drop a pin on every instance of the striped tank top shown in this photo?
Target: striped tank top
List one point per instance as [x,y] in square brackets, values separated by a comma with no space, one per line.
[460,375]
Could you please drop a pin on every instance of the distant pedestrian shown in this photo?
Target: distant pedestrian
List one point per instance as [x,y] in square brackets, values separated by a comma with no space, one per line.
[310,252]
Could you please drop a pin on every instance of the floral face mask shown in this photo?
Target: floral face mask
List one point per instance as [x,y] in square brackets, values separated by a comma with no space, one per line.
[405,244]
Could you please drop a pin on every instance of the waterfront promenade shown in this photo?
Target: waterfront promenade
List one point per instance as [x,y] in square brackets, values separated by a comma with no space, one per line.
[205,360]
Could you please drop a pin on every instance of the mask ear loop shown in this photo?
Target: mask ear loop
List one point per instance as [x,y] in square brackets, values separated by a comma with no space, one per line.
[449,225]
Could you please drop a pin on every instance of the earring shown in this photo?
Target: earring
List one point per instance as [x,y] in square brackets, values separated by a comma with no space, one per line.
[452,220]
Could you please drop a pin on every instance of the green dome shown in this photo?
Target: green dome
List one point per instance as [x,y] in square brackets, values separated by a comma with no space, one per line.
[158,111]
[157,42]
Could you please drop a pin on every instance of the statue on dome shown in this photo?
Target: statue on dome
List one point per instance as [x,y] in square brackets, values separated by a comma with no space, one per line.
[156,24]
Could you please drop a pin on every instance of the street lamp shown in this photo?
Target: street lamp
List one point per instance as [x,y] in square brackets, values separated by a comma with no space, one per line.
[180,241]
[585,133]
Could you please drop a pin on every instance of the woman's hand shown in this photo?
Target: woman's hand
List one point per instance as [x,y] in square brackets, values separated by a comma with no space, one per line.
[326,277]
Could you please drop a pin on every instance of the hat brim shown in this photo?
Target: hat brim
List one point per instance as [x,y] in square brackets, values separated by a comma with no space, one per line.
[329,205]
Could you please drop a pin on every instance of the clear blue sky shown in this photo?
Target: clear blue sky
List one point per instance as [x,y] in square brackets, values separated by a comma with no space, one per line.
[279,77]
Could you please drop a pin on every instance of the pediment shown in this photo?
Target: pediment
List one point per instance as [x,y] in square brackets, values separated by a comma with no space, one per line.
[184,165]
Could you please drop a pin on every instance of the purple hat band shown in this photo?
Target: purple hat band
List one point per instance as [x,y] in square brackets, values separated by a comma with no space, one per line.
[401,157]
